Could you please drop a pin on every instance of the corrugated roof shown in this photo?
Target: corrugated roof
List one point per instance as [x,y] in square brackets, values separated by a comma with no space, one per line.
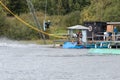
[78,27]
[114,23]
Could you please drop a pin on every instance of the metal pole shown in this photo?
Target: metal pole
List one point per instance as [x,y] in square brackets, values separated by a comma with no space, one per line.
[32,10]
[45,9]
[45,16]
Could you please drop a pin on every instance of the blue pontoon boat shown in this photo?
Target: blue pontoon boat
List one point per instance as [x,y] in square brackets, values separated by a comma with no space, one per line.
[74,45]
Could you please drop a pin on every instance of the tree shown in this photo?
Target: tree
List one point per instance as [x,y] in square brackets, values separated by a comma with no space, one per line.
[101,10]
[60,7]
[2,22]
[17,6]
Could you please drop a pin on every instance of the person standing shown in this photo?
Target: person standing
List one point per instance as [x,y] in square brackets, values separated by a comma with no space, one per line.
[79,37]
[106,35]
[115,32]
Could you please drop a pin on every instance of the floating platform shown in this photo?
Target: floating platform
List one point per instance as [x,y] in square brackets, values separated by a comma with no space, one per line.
[74,45]
[104,51]
[97,45]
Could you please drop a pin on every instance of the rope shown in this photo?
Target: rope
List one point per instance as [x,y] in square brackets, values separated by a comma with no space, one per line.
[27,24]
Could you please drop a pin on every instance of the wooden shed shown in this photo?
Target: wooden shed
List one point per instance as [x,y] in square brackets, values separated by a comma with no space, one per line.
[110,28]
[111,25]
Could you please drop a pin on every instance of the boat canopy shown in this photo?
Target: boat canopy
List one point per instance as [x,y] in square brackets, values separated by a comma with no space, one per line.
[78,27]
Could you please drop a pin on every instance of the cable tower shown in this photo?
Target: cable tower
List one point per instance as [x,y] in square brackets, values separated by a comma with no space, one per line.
[32,10]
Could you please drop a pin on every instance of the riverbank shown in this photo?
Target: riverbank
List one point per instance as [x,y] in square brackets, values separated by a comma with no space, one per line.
[36,41]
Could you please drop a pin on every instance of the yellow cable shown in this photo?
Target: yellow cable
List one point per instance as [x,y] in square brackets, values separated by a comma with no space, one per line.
[28,25]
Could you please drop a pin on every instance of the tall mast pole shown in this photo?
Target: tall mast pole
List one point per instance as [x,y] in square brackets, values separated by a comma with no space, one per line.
[45,9]
[32,10]
[45,15]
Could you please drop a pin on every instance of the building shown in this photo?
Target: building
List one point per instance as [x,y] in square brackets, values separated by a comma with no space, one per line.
[96,29]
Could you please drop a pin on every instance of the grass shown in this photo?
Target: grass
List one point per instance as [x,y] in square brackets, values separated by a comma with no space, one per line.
[40,42]
[36,41]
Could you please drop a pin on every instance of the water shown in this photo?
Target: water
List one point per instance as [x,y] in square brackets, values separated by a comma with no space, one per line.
[41,62]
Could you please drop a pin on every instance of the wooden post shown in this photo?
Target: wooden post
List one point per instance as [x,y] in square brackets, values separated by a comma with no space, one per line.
[92,36]
[113,36]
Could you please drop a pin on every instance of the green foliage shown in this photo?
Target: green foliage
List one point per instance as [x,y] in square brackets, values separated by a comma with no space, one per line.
[2,22]
[101,10]
[2,18]
[72,19]
[19,31]
[60,7]
[17,6]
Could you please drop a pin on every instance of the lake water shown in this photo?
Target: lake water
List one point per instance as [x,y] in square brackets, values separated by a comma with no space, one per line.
[41,62]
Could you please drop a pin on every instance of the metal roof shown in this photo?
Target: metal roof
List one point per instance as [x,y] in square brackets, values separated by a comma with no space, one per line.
[78,27]
[114,23]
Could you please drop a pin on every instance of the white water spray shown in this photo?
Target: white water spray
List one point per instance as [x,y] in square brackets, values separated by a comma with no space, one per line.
[5,42]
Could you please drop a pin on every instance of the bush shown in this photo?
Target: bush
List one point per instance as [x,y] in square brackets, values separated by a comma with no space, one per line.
[2,22]
[72,19]
[17,30]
